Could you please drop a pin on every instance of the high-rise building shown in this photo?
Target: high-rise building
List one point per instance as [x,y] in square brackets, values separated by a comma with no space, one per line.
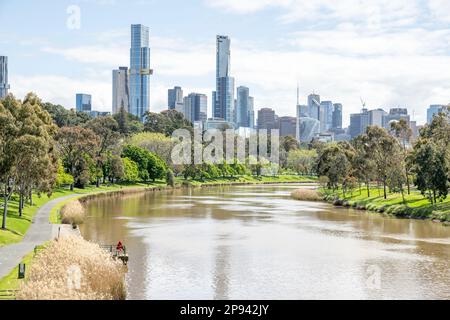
[4,85]
[314,106]
[195,107]
[244,108]
[308,129]
[174,97]
[326,116]
[432,111]
[337,116]
[83,102]
[139,70]
[267,119]
[377,117]
[287,126]
[121,90]
[358,123]
[251,112]
[223,97]
[395,114]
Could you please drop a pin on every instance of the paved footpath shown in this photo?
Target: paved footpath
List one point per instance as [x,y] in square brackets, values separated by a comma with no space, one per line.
[40,231]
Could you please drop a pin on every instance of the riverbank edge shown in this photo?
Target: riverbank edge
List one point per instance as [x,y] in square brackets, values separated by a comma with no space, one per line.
[390,210]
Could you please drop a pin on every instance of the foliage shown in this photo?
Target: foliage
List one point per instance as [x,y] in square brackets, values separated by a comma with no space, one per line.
[166,122]
[302,161]
[130,169]
[154,142]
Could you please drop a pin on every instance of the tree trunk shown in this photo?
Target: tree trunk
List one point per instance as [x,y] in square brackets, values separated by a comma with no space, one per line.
[20,202]
[368,188]
[97,183]
[384,189]
[5,208]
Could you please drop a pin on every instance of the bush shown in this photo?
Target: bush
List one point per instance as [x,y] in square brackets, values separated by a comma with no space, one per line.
[170,179]
[94,274]
[73,213]
[306,195]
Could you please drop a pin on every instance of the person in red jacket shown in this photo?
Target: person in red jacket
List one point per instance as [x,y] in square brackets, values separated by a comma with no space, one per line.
[119,247]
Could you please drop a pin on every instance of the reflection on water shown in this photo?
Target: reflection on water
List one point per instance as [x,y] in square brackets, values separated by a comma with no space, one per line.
[254,242]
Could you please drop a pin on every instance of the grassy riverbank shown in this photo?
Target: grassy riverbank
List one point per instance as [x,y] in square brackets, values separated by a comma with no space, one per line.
[414,205]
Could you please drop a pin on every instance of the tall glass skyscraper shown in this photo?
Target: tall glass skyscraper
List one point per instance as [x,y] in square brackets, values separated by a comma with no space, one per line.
[223,97]
[139,70]
[4,85]
[174,97]
[195,107]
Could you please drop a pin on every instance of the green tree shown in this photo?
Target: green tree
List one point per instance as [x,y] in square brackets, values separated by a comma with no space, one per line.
[131,170]
[363,165]
[154,142]
[166,122]
[77,147]
[334,164]
[403,133]
[302,161]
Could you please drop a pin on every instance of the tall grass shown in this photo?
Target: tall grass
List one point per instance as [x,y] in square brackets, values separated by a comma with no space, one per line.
[72,268]
[73,213]
[306,195]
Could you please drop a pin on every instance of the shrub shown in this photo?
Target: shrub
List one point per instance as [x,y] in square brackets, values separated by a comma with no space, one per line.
[73,213]
[306,195]
[170,179]
[72,268]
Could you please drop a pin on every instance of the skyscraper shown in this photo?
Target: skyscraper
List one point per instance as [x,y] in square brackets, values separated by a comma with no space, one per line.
[251,112]
[358,123]
[432,111]
[174,97]
[244,108]
[326,116]
[314,106]
[337,116]
[139,70]
[4,85]
[83,102]
[267,119]
[195,107]
[395,114]
[288,126]
[223,97]
[121,90]
[376,117]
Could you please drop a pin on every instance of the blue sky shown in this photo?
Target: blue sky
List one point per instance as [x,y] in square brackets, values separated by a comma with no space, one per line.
[390,53]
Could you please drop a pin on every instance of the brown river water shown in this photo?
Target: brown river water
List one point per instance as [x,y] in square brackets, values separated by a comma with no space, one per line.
[255,242]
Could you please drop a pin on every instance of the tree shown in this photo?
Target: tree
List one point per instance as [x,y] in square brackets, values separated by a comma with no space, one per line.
[383,149]
[156,167]
[334,164]
[302,161]
[166,122]
[114,168]
[403,133]
[77,147]
[131,170]
[62,177]
[63,117]
[27,155]
[362,164]
[128,123]
[150,165]
[156,143]
[106,129]
[430,168]
[170,178]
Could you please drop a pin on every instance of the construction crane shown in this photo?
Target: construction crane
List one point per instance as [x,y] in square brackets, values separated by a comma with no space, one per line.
[363,103]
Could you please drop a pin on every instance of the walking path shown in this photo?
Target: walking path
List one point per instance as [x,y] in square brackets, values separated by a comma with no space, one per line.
[40,231]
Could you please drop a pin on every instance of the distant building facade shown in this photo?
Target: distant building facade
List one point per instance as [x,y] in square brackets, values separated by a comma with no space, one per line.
[83,102]
[287,126]
[432,111]
[337,116]
[195,107]
[358,123]
[174,98]
[267,119]
[121,90]
[4,85]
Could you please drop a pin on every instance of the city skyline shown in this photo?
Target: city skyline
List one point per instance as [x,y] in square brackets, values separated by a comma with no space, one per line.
[308,46]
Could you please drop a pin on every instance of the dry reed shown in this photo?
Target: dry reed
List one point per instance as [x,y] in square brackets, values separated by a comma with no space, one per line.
[72,268]
[73,213]
[306,195]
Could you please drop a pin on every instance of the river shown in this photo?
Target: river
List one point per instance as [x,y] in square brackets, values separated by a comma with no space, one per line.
[255,242]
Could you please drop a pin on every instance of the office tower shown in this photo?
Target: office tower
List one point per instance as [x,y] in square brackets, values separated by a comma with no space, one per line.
[251,112]
[83,102]
[326,116]
[308,129]
[302,111]
[267,119]
[244,107]
[432,111]
[358,123]
[337,116]
[174,97]
[195,107]
[4,85]
[314,106]
[288,126]
[395,114]
[139,70]
[377,117]
[223,103]
[121,90]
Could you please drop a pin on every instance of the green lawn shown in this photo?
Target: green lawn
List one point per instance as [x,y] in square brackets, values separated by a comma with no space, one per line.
[415,204]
